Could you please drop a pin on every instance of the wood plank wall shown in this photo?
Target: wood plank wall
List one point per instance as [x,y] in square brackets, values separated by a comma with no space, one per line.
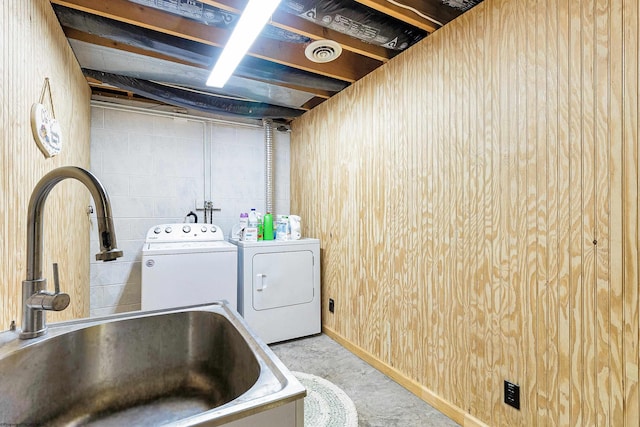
[32,47]
[477,203]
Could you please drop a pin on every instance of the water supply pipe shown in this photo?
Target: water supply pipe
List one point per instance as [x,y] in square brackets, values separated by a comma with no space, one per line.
[268,164]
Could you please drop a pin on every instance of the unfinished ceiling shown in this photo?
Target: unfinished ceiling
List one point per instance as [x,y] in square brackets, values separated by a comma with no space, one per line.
[162,51]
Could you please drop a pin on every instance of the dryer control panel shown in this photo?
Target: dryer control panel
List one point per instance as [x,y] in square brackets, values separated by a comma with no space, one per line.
[183,232]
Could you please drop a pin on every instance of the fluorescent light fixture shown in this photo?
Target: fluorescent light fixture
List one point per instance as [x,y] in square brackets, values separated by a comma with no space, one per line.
[250,24]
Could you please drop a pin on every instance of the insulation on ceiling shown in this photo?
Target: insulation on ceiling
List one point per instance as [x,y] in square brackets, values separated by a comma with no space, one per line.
[190,51]
[462,5]
[356,20]
[193,10]
[213,16]
[190,99]
[143,67]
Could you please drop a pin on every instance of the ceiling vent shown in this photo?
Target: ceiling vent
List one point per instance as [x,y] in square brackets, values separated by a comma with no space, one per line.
[323,51]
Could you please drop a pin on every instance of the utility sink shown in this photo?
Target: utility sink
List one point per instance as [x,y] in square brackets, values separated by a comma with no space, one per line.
[190,366]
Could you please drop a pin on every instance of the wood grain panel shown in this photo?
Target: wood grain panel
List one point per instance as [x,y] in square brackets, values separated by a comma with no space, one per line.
[574,172]
[588,174]
[628,183]
[483,334]
[548,197]
[469,212]
[528,248]
[614,261]
[500,156]
[605,382]
[31,26]
[561,163]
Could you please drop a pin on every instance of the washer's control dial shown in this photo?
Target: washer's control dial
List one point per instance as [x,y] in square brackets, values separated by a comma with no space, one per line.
[183,232]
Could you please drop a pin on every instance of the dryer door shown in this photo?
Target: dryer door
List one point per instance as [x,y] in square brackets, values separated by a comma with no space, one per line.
[282,279]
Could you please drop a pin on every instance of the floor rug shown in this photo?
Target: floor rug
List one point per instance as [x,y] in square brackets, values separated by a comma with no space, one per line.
[326,405]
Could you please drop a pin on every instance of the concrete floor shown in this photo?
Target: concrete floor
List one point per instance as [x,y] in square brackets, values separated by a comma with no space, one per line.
[380,401]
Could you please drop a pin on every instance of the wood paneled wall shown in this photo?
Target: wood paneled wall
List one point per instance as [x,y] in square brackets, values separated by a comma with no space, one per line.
[477,203]
[32,47]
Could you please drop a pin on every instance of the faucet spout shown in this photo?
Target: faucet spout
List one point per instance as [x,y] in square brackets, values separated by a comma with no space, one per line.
[34,296]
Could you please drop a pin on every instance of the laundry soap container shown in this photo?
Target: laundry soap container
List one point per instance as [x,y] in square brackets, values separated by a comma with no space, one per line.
[268,226]
[294,227]
[282,228]
[251,231]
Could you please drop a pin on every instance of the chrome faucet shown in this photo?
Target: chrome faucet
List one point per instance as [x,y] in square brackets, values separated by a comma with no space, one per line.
[35,298]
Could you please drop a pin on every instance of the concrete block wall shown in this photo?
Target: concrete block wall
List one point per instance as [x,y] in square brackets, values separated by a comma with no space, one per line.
[156,169]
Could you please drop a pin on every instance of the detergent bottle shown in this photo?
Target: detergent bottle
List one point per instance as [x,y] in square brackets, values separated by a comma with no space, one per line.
[267,226]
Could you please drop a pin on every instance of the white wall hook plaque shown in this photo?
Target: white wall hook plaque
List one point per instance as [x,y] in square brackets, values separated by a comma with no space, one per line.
[45,128]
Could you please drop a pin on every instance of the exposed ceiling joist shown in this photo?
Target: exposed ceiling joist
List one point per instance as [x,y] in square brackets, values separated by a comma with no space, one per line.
[308,29]
[82,36]
[162,50]
[305,28]
[404,14]
[348,67]
[189,98]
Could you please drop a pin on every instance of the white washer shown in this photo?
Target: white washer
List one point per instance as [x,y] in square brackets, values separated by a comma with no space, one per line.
[279,287]
[187,264]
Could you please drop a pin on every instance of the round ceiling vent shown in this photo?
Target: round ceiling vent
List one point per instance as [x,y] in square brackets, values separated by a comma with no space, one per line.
[323,51]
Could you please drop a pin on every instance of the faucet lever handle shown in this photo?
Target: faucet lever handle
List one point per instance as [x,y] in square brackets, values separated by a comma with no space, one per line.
[44,300]
[56,278]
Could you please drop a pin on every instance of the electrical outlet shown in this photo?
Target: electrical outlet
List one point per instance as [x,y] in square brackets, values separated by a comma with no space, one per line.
[331,305]
[512,394]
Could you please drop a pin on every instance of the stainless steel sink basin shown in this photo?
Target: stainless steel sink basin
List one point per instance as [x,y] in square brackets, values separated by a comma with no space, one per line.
[197,365]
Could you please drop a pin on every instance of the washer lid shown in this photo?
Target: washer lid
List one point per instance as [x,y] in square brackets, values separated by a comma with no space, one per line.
[173,248]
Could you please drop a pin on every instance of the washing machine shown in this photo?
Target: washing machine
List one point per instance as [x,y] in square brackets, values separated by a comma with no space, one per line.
[279,287]
[187,264]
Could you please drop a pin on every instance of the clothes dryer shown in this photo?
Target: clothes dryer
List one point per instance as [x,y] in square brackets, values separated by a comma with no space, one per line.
[279,287]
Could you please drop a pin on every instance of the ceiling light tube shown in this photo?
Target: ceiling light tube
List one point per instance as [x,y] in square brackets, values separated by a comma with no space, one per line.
[250,24]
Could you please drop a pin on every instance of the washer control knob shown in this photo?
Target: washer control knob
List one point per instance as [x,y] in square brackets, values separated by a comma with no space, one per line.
[186,229]
[204,229]
[157,230]
[168,230]
[213,229]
